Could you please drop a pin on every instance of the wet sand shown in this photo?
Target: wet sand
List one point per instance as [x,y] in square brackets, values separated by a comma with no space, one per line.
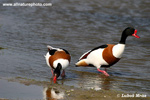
[22,89]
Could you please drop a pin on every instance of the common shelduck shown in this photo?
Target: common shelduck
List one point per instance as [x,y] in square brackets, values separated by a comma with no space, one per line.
[108,54]
[57,59]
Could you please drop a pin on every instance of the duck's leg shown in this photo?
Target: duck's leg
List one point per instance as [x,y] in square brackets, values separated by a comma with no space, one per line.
[106,69]
[52,72]
[102,71]
[63,73]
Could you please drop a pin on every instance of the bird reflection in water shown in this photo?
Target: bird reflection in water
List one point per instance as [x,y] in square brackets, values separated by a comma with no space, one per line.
[96,82]
[53,94]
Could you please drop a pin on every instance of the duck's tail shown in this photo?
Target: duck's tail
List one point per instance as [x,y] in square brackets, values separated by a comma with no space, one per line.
[49,47]
[81,63]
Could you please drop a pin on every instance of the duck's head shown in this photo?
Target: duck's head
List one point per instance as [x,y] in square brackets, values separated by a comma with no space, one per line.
[129,31]
[57,72]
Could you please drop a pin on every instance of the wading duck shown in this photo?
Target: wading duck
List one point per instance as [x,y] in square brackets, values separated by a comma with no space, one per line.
[108,54]
[57,59]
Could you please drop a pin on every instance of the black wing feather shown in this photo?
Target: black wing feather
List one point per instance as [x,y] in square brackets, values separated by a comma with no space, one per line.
[52,51]
[87,53]
[102,46]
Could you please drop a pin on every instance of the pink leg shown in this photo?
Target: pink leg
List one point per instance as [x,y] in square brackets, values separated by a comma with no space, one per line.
[52,72]
[104,72]
[106,69]
[63,73]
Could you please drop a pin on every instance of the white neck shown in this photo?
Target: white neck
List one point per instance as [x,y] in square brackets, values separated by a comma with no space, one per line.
[118,50]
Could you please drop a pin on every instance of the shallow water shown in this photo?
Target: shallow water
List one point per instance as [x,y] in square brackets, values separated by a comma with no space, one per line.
[77,26]
[19,91]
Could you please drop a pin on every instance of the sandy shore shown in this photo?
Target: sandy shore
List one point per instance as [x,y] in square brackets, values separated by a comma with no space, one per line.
[44,89]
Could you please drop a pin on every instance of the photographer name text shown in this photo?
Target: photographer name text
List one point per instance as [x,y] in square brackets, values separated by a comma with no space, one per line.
[132,95]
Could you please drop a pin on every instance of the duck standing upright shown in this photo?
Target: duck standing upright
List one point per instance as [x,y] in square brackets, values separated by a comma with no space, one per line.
[106,55]
[58,59]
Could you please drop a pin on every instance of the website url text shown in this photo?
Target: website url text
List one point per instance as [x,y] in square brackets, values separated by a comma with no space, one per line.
[27,4]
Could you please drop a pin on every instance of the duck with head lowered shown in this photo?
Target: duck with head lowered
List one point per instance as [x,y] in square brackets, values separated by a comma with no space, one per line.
[57,59]
[108,54]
